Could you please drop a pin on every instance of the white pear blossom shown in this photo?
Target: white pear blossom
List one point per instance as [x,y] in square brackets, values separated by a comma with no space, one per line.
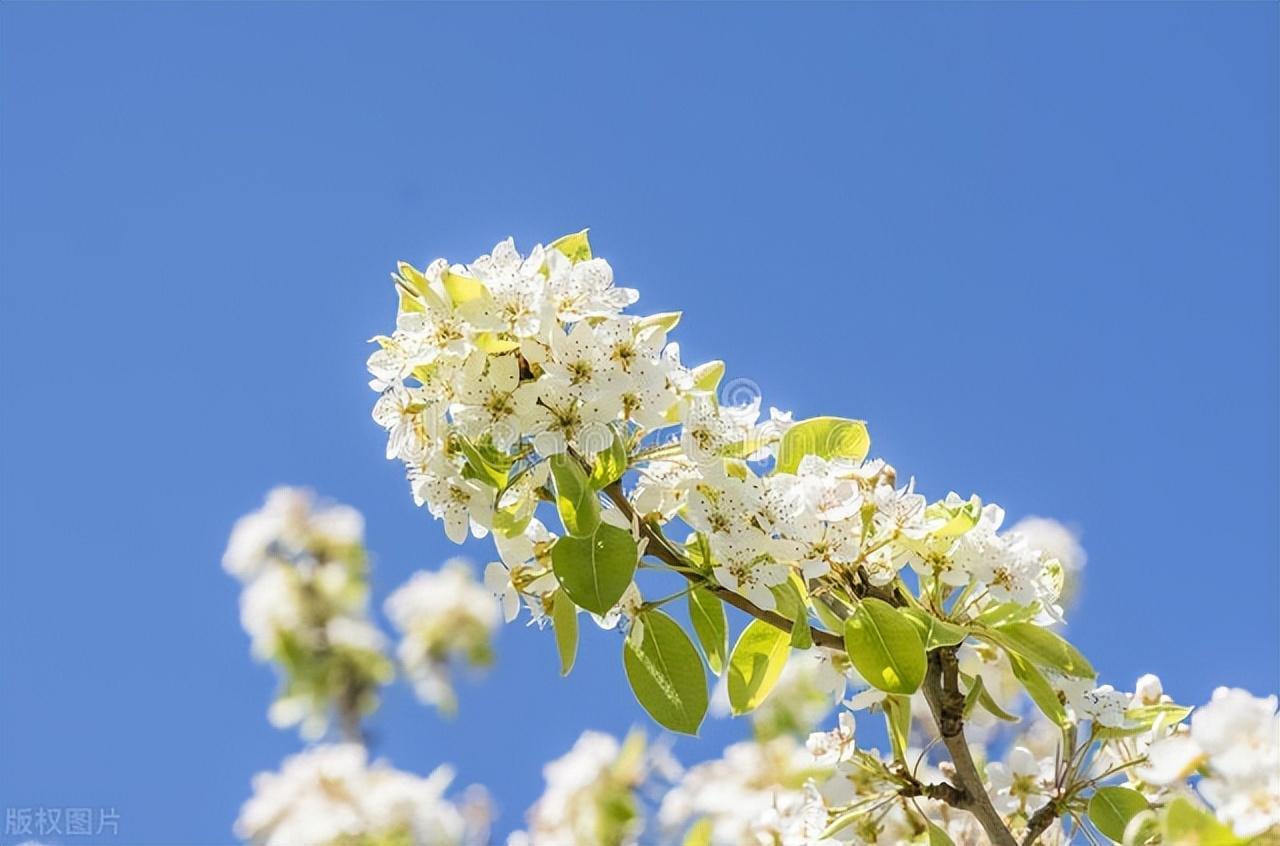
[332,794]
[444,617]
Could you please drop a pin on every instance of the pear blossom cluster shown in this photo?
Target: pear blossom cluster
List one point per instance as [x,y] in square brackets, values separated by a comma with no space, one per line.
[592,793]
[498,364]
[516,380]
[758,793]
[304,566]
[1235,741]
[304,605]
[445,617]
[333,794]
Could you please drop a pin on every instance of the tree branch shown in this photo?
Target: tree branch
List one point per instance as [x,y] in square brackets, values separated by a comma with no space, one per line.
[942,692]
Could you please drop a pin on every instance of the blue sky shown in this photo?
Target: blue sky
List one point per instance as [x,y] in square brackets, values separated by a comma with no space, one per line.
[1034,245]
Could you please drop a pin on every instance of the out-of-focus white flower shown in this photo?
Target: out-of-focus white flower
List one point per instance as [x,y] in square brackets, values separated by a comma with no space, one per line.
[591,794]
[305,577]
[331,794]
[443,617]
[751,795]
[1236,737]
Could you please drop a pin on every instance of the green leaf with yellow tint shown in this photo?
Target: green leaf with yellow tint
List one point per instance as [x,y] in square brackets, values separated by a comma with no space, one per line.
[757,660]
[885,647]
[665,673]
[595,571]
[825,437]
[564,618]
[706,612]
[575,496]
[575,247]
[1111,808]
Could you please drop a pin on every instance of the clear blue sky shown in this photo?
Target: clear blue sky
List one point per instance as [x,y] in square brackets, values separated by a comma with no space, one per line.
[1034,245]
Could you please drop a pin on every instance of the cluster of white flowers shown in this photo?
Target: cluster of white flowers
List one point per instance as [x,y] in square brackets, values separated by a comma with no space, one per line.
[591,793]
[502,362]
[331,794]
[513,381]
[1235,740]
[754,794]
[304,605]
[444,617]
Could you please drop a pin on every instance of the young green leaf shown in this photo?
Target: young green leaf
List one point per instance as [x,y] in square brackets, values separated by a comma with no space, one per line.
[897,715]
[665,673]
[575,247]
[825,437]
[801,634]
[575,497]
[666,321]
[885,647]
[1007,612]
[610,464]
[1184,823]
[935,632]
[595,571]
[485,463]
[1044,648]
[757,660]
[939,837]
[564,617]
[706,612]
[1111,808]
[978,695]
[1039,689]
[463,289]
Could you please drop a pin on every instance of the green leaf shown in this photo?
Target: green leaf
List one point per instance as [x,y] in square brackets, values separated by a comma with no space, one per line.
[935,632]
[595,571]
[575,247]
[485,464]
[564,617]
[825,437]
[897,715]
[885,647]
[792,602]
[610,464]
[757,660]
[666,673]
[706,612]
[706,377]
[1039,689]
[938,837]
[1007,612]
[827,616]
[1044,648]
[1111,808]
[575,497]
[978,695]
[1187,825]
[666,321]
[463,289]
[801,634]
[1142,719]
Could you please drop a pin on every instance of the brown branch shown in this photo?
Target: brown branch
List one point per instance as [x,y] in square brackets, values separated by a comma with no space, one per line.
[1040,821]
[946,702]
